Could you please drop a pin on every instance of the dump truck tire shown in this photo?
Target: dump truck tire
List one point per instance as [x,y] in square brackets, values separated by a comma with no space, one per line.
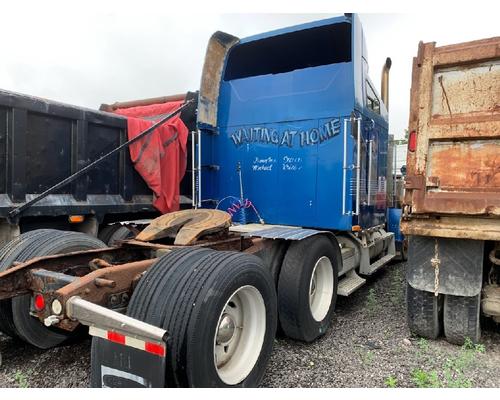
[462,318]
[41,243]
[307,288]
[403,254]
[105,233]
[220,311]
[122,233]
[112,233]
[8,255]
[424,312]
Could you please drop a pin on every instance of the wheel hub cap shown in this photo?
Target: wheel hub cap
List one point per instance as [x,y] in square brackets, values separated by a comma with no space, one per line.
[225,332]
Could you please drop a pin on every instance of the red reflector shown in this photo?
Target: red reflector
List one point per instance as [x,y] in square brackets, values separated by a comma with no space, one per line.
[154,348]
[116,337]
[39,302]
[412,141]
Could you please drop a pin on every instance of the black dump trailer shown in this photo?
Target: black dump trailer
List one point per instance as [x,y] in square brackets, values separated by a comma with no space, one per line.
[42,142]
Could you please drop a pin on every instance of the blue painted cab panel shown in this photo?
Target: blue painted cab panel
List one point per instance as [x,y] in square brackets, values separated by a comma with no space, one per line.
[286,133]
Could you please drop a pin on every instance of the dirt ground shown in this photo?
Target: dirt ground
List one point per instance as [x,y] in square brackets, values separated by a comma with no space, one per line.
[368,345]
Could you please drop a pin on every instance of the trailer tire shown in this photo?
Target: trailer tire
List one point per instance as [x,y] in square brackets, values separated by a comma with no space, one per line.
[462,318]
[41,243]
[424,312]
[307,264]
[188,293]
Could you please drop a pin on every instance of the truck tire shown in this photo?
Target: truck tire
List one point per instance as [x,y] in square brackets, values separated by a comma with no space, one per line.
[307,288]
[424,312]
[105,233]
[111,233]
[403,252]
[8,255]
[41,243]
[462,318]
[272,256]
[220,311]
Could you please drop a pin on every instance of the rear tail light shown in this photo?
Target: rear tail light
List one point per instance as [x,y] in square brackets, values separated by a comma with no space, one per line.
[39,302]
[412,141]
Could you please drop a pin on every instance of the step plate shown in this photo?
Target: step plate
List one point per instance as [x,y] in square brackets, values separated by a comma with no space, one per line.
[350,283]
[380,263]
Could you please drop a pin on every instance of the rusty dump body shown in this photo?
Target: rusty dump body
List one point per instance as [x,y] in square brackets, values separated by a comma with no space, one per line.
[453,175]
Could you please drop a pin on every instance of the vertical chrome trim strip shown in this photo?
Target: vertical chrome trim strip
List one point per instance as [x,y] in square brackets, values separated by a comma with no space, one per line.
[344,168]
[358,166]
[193,172]
[199,168]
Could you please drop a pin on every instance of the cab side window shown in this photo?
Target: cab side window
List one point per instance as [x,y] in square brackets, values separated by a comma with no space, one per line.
[372,102]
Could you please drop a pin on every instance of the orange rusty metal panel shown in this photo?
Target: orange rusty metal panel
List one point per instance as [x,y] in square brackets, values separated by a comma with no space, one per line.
[455,111]
[476,228]
[467,52]
[218,46]
[469,166]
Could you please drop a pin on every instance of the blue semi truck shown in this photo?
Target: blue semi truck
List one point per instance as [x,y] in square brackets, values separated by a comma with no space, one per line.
[289,192]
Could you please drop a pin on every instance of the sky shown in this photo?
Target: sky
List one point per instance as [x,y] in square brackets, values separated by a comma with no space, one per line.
[92,55]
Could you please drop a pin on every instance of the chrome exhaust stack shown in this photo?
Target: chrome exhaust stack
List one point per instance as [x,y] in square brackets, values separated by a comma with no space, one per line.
[384,86]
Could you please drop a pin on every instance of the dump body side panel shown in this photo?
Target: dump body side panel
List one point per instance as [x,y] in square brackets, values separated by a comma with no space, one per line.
[455,112]
[42,142]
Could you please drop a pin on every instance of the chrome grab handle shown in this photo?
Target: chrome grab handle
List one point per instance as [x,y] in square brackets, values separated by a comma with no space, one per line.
[369,171]
[193,172]
[344,168]
[358,165]
[199,168]
[196,167]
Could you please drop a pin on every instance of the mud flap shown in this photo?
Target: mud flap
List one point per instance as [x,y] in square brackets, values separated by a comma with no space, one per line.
[460,271]
[118,366]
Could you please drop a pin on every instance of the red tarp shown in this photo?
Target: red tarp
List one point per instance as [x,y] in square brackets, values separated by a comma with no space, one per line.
[160,157]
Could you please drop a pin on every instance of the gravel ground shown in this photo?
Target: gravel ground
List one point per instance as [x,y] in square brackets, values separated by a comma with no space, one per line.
[369,345]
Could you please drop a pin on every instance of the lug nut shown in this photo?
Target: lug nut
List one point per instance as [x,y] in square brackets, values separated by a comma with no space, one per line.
[114,300]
